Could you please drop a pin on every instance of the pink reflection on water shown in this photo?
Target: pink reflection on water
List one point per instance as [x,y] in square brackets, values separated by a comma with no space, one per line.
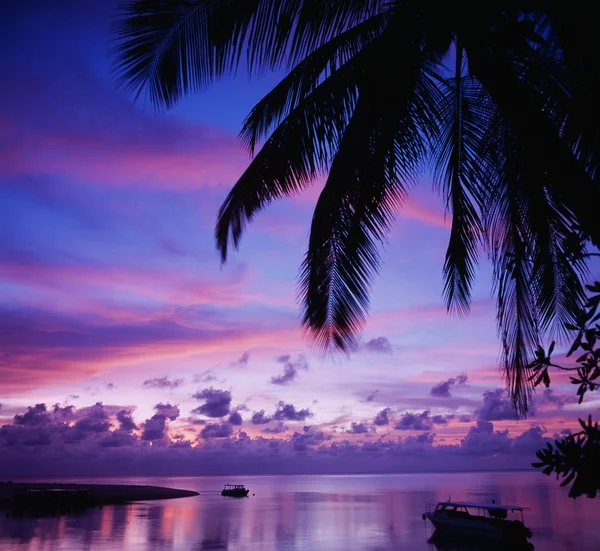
[310,512]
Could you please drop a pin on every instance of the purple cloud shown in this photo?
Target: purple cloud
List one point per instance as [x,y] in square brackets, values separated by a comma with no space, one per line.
[242,361]
[498,407]
[169,411]
[66,412]
[421,421]
[217,403]
[288,412]
[370,397]
[439,420]
[235,419]
[126,422]
[442,389]
[34,416]
[279,428]
[155,428]
[163,382]
[207,376]
[482,439]
[360,428]
[382,418]
[45,448]
[550,398]
[290,369]
[412,421]
[217,430]
[379,344]
[260,418]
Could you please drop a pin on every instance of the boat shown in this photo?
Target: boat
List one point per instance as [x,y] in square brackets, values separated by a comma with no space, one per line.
[234,490]
[479,520]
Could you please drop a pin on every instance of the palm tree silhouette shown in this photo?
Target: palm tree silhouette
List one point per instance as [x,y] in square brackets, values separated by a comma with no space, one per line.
[497,101]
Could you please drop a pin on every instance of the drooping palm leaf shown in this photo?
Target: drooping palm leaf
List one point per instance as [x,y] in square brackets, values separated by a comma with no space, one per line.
[460,164]
[297,151]
[515,142]
[379,156]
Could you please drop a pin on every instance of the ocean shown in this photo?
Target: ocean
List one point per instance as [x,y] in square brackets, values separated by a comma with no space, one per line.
[309,512]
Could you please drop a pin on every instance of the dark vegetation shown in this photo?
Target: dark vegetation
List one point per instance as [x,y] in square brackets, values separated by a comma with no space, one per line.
[576,458]
[498,100]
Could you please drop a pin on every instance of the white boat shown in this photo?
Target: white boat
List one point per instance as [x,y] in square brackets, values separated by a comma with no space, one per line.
[479,520]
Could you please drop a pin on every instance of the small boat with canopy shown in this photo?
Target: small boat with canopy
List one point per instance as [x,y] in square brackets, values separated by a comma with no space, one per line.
[234,490]
[480,520]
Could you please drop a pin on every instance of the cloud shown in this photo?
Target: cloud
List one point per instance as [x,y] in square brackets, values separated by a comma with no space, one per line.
[442,389]
[126,422]
[549,398]
[34,416]
[288,412]
[379,344]
[235,419]
[421,421]
[483,440]
[414,421]
[207,376]
[155,428]
[217,430]
[114,144]
[371,396]
[66,412]
[360,428]
[290,369]
[382,418]
[242,361]
[497,406]
[260,418]
[439,420]
[42,443]
[217,403]
[169,411]
[163,382]
[278,428]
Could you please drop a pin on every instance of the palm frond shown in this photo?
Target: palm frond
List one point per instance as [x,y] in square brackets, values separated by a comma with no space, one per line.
[171,48]
[297,151]
[317,66]
[460,164]
[567,178]
[515,285]
[379,155]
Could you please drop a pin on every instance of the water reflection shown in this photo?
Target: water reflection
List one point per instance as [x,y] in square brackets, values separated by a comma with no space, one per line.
[445,543]
[317,512]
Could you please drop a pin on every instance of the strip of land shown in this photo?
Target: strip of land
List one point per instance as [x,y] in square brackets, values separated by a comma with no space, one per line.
[102,494]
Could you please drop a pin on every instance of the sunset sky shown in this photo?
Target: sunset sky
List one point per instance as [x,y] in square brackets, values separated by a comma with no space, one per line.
[148,356]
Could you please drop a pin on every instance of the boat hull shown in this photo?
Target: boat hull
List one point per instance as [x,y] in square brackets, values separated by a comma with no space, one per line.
[238,493]
[497,530]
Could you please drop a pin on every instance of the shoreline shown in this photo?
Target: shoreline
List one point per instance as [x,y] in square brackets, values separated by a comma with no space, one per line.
[102,494]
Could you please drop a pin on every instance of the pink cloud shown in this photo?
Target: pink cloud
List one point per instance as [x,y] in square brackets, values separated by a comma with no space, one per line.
[89,133]
[179,286]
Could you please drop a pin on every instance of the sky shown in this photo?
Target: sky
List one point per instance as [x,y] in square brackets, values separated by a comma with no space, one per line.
[125,346]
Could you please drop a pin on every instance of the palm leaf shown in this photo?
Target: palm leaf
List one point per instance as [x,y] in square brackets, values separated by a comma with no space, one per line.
[379,155]
[317,66]
[297,151]
[460,164]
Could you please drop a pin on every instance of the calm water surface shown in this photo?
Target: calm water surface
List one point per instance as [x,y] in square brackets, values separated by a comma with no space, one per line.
[372,512]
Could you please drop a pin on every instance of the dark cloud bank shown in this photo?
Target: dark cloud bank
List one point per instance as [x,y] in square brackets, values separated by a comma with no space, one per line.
[105,440]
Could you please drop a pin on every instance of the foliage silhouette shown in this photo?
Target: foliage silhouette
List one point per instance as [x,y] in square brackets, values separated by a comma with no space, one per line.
[576,458]
[497,101]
